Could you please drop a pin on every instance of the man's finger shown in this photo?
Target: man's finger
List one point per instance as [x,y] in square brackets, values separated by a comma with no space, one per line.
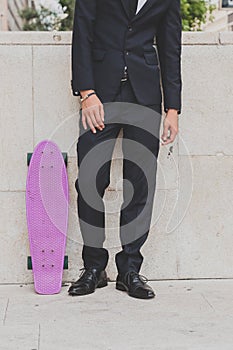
[94,120]
[173,134]
[91,116]
[165,134]
[84,121]
[101,108]
[89,120]
[96,115]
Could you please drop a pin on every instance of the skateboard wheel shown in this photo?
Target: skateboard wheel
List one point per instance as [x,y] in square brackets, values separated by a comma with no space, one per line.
[29,156]
[65,157]
[29,263]
[65,267]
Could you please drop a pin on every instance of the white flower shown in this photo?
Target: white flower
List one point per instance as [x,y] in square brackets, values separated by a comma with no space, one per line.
[52,5]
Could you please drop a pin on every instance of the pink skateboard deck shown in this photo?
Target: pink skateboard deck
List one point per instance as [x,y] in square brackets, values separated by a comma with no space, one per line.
[47,216]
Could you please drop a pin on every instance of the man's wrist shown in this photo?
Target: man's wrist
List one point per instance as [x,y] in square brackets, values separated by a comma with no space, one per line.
[172,110]
[87,96]
[86,92]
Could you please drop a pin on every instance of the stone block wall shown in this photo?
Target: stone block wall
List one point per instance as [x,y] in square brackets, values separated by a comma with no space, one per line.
[191,235]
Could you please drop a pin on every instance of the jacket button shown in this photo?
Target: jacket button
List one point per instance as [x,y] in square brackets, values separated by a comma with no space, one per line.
[127,53]
[130,28]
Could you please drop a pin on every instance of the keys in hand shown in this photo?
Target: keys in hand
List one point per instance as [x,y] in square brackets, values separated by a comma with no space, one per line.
[170,127]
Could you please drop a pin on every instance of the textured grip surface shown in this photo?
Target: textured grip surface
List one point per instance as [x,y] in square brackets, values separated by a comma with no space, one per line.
[47,216]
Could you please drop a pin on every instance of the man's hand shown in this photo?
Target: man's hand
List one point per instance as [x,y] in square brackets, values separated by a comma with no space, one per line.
[92,112]
[170,127]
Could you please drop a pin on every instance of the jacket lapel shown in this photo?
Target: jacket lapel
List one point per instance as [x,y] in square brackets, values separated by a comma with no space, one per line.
[125,4]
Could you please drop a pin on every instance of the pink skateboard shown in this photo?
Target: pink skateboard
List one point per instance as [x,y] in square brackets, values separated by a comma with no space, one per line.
[47,216]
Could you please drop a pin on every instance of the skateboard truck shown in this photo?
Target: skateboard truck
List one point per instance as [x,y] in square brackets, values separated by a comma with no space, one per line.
[65,266]
[64,154]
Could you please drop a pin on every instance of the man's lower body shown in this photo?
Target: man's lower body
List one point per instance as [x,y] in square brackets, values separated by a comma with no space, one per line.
[136,209]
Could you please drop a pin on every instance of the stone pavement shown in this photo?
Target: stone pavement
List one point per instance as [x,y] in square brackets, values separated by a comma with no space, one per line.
[185,315]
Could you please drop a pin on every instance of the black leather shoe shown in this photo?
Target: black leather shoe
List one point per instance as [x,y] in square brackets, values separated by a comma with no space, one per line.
[135,285]
[89,280]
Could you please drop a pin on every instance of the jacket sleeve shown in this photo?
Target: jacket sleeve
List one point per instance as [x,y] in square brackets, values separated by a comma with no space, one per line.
[168,41]
[82,38]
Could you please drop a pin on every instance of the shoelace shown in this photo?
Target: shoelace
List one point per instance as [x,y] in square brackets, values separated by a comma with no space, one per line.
[86,272]
[142,278]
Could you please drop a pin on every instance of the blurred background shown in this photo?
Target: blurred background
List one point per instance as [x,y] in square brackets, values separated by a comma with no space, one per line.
[47,15]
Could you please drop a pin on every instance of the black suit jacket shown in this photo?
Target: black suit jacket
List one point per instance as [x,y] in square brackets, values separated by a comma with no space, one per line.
[105,39]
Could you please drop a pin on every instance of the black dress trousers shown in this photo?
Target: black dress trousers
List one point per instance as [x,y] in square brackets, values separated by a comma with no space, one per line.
[136,209]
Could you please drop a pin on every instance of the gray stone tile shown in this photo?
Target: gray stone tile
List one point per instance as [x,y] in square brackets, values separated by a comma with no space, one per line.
[19,337]
[14,238]
[4,302]
[36,38]
[56,110]
[226,38]
[184,315]
[205,230]
[16,115]
[205,122]
[200,38]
